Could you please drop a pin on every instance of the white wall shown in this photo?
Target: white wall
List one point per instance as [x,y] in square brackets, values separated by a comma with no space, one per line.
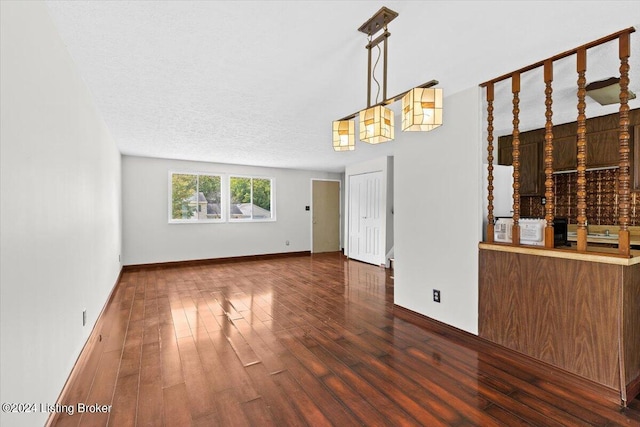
[60,211]
[389,209]
[149,238]
[438,214]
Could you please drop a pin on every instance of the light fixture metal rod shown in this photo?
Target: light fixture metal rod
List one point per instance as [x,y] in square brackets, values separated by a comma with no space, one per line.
[384,72]
[377,40]
[369,78]
[382,37]
[388,101]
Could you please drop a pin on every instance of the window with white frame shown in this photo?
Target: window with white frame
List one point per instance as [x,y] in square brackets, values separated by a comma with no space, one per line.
[251,199]
[195,198]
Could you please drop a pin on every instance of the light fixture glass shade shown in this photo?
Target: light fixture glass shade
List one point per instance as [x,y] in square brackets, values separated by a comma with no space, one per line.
[376,125]
[422,109]
[606,92]
[344,135]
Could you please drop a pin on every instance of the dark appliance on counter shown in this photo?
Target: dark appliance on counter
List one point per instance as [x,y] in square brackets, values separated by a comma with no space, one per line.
[560,232]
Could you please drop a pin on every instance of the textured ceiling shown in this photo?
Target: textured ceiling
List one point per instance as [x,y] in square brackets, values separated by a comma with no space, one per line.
[259,82]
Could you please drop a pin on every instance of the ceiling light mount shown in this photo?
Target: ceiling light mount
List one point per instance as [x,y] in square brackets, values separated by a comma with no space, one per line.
[422,105]
[378,21]
[606,92]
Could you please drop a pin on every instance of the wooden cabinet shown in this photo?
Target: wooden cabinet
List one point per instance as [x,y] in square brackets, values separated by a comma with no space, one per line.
[531,176]
[602,149]
[531,170]
[564,328]
[564,153]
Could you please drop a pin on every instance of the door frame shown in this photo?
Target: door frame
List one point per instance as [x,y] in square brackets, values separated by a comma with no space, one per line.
[340,220]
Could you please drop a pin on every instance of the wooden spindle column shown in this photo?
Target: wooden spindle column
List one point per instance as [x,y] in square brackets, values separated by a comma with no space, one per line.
[624,177]
[490,228]
[548,156]
[515,89]
[582,151]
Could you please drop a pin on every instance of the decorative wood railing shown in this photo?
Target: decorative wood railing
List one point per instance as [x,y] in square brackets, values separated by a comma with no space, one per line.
[581,156]
[624,177]
[548,156]
[515,89]
[490,228]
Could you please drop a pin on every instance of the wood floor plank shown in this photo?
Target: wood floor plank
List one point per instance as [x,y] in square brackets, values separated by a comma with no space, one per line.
[170,357]
[506,417]
[150,405]
[332,407]
[507,383]
[302,401]
[454,394]
[360,407]
[132,352]
[102,389]
[278,402]
[176,406]
[408,397]
[125,402]
[201,399]
[232,371]
[292,340]
[229,409]
[257,413]
[312,340]
[393,412]
[264,353]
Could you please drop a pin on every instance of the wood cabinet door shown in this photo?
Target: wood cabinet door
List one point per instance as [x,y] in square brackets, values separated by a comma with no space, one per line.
[530,170]
[505,155]
[564,153]
[602,149]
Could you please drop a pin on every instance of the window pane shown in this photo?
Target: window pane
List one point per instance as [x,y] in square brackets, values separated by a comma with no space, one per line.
[261,198]
[209,191]
[183,195]
[240,197]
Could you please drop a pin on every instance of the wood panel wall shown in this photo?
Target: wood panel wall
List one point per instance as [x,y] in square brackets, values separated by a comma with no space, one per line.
[631,329]
[563,312]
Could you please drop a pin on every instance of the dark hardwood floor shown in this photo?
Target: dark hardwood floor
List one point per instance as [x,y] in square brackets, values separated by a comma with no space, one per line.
[304,340]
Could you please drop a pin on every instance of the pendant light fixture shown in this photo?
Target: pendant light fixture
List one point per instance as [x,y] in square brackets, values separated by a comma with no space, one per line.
[344,135]
[422,109]
[421,106]
[376,125]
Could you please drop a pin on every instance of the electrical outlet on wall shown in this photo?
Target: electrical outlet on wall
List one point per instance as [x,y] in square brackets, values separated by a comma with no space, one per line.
[436,295]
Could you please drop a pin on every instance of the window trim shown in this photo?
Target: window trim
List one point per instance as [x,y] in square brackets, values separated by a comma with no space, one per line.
[272,181]
[223,198]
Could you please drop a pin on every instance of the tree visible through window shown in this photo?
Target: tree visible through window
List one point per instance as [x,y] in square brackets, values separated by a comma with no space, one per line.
[195,197]
[250,198]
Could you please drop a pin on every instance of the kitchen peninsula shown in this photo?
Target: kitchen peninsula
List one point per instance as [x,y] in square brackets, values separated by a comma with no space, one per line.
[577,311]
[575,308]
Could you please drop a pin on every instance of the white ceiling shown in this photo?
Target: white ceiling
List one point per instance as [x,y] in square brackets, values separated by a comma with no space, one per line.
[259,82]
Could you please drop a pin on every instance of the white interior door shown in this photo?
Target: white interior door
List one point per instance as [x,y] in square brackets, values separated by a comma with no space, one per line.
[365,217]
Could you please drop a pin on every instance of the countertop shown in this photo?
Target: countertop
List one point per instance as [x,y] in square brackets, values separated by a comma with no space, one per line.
[593,254]
[597,234]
